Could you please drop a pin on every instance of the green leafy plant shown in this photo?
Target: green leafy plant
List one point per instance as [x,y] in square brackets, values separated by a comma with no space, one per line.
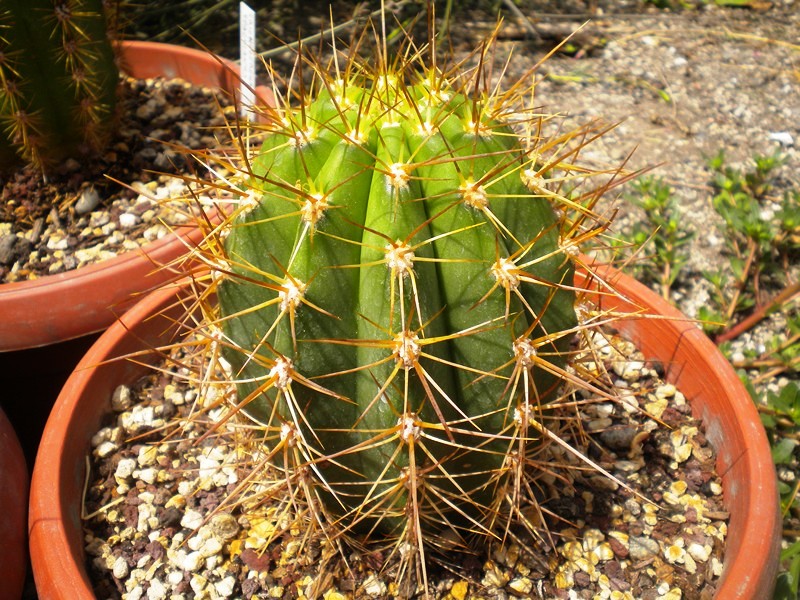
[788,582]
[762,242]
[780,413]
[780,353]
[58,80]
[395,297]
[661,235]
[761,238]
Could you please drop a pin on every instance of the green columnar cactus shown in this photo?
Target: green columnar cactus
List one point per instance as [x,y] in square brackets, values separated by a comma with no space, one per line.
[58,80]
[395,300]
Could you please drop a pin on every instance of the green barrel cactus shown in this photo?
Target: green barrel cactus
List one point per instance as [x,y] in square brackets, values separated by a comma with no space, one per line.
[396,301]
[58,80]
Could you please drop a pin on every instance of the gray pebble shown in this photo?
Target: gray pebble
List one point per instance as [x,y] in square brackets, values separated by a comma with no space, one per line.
[224,526]
[641,548]
[88,201]
[618,437]
[8,243]
[147,110]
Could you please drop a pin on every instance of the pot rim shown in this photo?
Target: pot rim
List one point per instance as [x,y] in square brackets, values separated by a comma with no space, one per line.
[731,421]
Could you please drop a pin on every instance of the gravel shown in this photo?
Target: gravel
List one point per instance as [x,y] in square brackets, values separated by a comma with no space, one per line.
[134,193]
[166,519]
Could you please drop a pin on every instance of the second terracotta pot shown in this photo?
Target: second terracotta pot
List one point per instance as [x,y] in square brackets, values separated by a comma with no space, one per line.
[68,305]
[46,323]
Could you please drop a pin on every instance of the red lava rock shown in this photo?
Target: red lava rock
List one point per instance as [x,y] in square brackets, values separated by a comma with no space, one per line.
[155,549]
[617,548]
[256,561]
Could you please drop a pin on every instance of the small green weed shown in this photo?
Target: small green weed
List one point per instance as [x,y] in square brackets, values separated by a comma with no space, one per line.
[762,236]
[780,414]
[762,240]
[661,236]
[786,587]
[781,353]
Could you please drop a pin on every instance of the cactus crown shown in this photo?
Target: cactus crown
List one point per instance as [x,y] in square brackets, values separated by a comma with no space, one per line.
[395,297]
[58,80]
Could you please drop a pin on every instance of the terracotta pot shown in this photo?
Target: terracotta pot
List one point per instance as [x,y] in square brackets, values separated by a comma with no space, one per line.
[68,305]
[13,509]
[692,361]
[46,323]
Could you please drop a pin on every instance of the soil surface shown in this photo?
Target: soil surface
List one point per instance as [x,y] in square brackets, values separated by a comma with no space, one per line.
[81,212]
[171,514]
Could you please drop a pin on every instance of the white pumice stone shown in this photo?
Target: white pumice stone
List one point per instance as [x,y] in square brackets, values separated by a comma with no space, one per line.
[157,590]
[192,519]
[128,220]
[120,568]
[136,593]
[192,561]
[147,456]
[147,475]
[106,448]
[174,577]
[125,469]
[225,587]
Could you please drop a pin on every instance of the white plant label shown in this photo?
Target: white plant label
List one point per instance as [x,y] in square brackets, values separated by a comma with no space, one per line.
[247,59]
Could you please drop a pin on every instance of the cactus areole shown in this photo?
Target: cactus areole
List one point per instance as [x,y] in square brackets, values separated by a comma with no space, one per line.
[395,300]
[58,80]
